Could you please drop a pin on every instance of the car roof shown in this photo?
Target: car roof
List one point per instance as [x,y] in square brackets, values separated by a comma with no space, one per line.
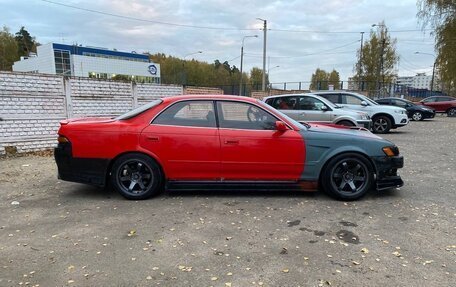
[301,94]
[207,97]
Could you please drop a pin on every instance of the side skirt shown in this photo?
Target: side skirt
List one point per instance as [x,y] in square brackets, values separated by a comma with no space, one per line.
[242,185]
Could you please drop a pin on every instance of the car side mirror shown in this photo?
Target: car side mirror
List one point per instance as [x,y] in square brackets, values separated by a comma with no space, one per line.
[324,108]
[364,103]
[280,126]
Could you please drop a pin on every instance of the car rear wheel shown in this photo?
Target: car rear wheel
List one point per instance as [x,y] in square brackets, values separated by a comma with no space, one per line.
[136,176]
[381,124]
[451,112]
[417,116]
[347,176]
[346,123]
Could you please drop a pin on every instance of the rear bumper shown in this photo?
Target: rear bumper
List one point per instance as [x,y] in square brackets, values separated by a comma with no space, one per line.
[82,170]
[387,176]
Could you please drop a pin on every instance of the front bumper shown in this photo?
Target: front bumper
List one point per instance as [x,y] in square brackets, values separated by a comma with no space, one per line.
[387,167]
[367,124]
[82,170]
[400,121]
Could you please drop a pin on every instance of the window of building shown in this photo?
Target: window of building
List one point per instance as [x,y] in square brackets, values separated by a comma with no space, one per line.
[62,62]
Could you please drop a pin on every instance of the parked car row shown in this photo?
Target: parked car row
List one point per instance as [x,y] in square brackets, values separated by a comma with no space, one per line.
[353,109]
[340,107]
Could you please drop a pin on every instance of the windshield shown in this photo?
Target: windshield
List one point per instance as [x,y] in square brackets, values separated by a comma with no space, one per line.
[139,110]
[296,123]
[370,100]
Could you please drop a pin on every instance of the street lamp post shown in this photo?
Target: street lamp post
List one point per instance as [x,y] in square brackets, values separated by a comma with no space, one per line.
[184,73]
[242,57]
[265,28]
[433,69]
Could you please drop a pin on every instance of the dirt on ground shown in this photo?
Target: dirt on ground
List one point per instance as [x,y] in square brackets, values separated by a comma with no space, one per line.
[56,233]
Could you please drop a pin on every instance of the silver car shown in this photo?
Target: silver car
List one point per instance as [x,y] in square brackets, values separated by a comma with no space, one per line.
[312,108]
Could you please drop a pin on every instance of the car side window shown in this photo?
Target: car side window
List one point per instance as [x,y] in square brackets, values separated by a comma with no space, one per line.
[285,103]
[350,100]
[310,104]
[188,113]
[399,103]
[235,115]
[430,100]
[445,99]
[384,102]
[334,98]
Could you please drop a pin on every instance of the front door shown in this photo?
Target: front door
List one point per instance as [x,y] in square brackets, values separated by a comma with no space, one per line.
[251,148]
[186,139]
[311,110]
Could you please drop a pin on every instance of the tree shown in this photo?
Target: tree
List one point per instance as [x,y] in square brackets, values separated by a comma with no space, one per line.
[8,50]
[441,16]
[319,80]
[377,60]
[25,42]
[334,79]
[256,78]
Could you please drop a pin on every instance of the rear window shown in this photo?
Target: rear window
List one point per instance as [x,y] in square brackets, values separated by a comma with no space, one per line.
[139,110]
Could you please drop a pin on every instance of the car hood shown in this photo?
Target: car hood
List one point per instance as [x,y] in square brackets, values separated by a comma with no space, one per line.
[342,131]
[388,108]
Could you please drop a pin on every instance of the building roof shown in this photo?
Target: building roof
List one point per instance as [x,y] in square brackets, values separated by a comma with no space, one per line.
[80,50]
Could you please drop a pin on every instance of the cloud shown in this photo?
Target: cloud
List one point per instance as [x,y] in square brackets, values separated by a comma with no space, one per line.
[53,23]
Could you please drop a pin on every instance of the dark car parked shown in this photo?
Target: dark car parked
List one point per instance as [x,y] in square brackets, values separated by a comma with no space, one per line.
[414,111]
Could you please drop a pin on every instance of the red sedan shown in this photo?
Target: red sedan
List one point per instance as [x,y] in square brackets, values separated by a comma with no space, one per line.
[222,142]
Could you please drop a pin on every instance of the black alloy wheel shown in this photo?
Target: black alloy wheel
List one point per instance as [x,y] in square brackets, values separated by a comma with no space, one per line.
[136,176]
[417,116]
[348,177]
[381,124]
[451,112]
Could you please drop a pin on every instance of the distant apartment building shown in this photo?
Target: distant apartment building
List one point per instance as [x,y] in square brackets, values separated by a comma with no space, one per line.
[419,81]
[93,62]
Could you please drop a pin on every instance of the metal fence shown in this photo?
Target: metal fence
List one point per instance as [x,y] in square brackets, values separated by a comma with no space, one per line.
[370,88]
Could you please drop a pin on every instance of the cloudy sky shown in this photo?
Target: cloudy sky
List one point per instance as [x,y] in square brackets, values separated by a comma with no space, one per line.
[300,38]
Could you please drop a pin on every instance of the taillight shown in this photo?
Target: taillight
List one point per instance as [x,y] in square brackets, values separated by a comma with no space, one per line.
[62,139]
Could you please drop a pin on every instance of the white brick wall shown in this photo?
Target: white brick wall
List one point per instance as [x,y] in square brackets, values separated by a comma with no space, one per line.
[31,105]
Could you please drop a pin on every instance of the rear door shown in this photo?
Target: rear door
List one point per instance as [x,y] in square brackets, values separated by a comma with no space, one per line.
[287,105]
[251,148]
[310,109]
[186,140]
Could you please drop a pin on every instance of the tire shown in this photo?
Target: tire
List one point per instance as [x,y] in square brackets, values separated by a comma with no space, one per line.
[381,124]
[417,116]
[346,123]
[347,176]
[136,176]
[451,112]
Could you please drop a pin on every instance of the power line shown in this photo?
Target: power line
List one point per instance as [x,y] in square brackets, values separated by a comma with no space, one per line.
[311,54]
[145,20]
[212,27]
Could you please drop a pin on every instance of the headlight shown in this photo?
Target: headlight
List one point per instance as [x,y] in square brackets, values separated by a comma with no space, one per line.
[399,111]
[364,116]
[391,150]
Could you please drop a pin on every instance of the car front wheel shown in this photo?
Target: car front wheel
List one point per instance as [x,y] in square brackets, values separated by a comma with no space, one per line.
[451,112]
[347,176]
[136,176]
[381,124]
[417,116]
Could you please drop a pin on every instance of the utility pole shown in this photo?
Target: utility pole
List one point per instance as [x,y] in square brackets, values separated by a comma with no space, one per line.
[433,68]
[265,28]
[360,79]
[242,57]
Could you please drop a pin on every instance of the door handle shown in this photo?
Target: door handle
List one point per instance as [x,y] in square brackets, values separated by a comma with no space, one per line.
[231,141]
[153,138]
